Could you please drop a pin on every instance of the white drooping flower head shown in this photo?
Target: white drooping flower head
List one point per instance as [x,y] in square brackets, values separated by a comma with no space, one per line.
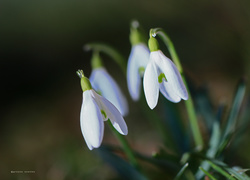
[102,82]
[137,62]
[162,74]
[94,111]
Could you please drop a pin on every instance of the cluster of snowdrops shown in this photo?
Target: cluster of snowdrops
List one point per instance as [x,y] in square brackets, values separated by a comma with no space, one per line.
[150,68]
[159,74]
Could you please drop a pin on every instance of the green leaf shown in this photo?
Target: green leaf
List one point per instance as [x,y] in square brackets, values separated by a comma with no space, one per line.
[123,168]
[231,122]
[211,152]
[238,173]
[235,171]
[175,127]
[207,173]
[178,176]
[204,107]
[220,170]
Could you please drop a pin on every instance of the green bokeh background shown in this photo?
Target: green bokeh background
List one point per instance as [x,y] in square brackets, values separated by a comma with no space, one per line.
[41,48]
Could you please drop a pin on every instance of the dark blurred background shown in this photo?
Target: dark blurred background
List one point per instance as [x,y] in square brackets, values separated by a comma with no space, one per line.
[41,49]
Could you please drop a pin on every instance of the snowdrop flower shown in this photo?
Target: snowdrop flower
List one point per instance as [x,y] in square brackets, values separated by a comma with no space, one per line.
[94,111]
[102,82]
[162,74]
[137,62]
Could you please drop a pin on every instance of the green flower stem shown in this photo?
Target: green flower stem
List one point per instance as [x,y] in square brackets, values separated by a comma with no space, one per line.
[128,151]
[189,103]
[207,173]
[163,35]
[114,54]
[192,118]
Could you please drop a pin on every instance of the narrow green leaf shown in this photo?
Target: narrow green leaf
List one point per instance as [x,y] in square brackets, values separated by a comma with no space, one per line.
[211,152]
[220,170]
[235,172]
[175,127]
[165,163]
[204,107]
[231,122]
[207,173]
[178,176]
[124,169]
[239,174]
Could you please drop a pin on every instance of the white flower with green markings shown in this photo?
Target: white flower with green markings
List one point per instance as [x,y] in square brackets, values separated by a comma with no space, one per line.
[104,84]
[137,61]
[94,111]
[162,74]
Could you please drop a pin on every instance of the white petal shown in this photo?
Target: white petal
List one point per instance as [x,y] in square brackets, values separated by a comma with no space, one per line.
[112,113]
[91,121]
[167,90]
[102,81]
[138,57]
[172,74]
[151,85]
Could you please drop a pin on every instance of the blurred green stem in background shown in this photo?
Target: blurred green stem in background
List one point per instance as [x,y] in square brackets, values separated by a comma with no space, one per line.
[110,51]
[128,151]
[189,103]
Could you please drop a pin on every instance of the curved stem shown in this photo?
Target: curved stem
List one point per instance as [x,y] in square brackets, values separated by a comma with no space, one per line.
[163,35]
[110,51]
[189,103]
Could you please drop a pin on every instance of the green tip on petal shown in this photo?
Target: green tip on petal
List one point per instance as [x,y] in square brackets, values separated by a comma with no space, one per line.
[153,44]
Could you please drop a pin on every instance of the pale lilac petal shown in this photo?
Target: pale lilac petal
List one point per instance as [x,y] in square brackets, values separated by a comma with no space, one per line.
[138,58]
[142,55]
[103,82]
[168,92]
[172,74]
[150,83]
[91,121]
[112,113]
[133,76]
